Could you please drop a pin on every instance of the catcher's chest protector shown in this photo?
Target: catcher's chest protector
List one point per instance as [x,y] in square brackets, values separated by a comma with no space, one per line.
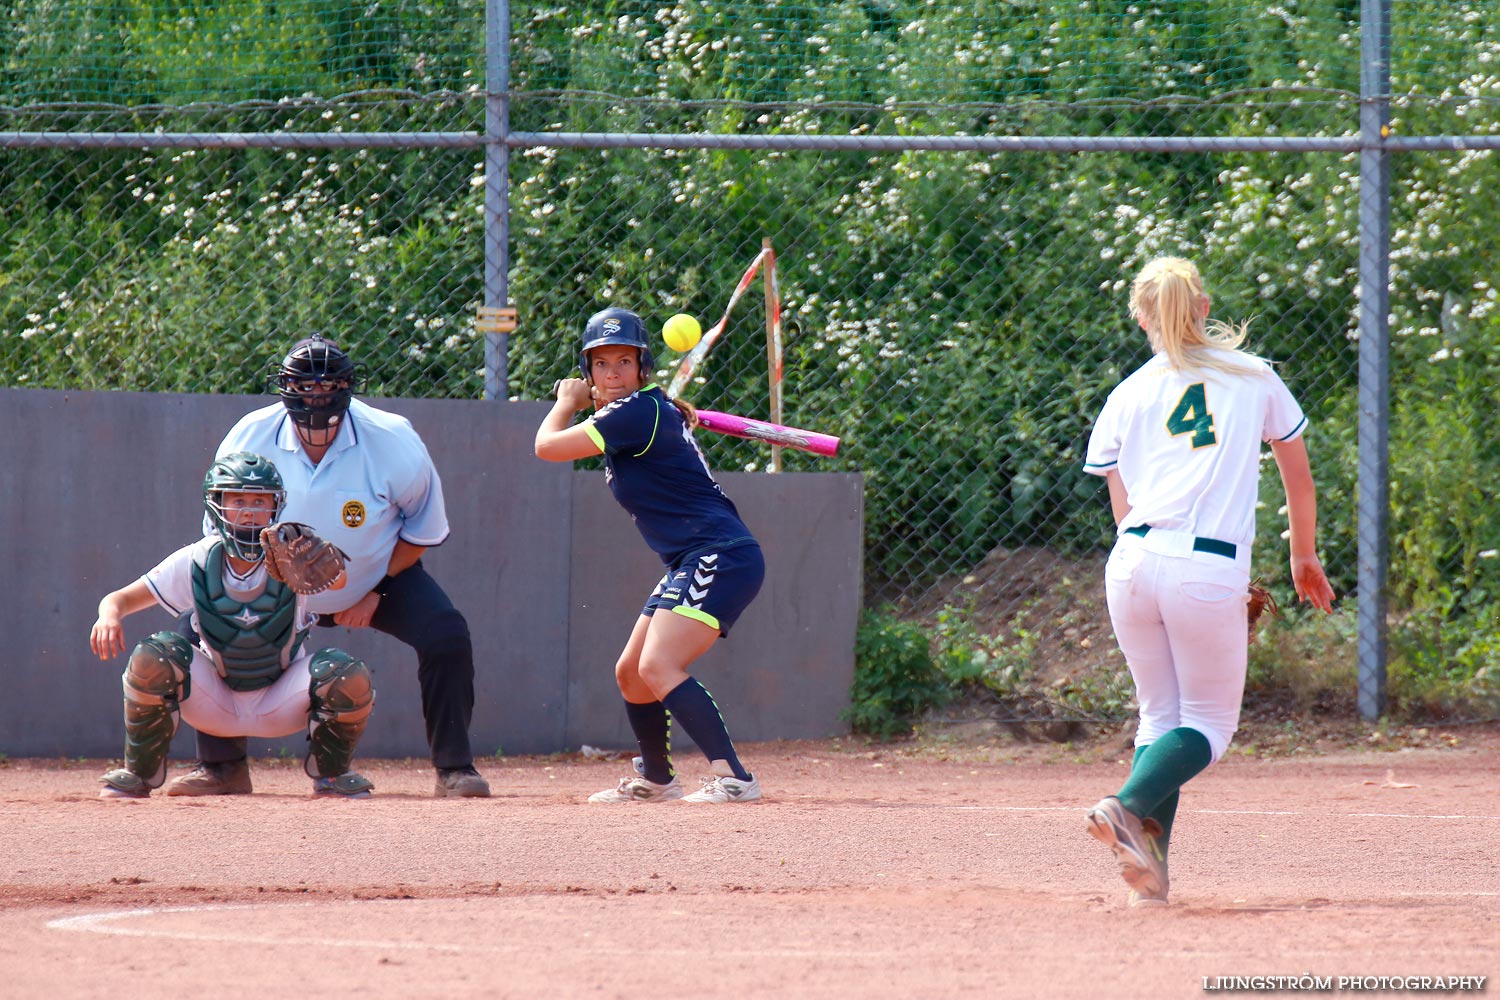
[255,639]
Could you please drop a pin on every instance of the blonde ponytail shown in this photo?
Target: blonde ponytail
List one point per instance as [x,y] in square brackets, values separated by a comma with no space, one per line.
[1167,298]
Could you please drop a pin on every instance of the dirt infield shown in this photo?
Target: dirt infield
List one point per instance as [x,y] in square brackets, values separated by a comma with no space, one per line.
[868,872]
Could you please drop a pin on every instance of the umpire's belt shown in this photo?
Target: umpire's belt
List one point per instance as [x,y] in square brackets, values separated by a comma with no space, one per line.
[1210,545]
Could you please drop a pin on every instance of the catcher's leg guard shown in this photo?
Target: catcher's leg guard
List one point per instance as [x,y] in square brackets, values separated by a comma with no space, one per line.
[156,682]
[341,697]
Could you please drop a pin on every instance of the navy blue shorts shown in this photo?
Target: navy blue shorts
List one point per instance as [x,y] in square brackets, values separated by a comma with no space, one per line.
[712,587]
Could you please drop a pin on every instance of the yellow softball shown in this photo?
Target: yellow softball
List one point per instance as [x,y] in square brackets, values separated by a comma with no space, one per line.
[681,332]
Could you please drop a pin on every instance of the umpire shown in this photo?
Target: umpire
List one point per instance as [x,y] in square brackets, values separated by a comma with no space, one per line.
[363,479]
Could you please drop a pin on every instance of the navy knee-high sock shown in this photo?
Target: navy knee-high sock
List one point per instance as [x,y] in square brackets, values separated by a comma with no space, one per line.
[653,734]
[694,709]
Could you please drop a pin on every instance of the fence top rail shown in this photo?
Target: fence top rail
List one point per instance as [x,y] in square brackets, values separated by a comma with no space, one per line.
[648,140]
[240,140]
[942,143]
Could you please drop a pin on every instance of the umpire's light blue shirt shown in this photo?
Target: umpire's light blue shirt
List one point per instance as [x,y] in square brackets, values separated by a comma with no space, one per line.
[376,484]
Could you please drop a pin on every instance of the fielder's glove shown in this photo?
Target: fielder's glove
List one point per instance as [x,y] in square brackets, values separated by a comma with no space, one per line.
[1261,601]
[297,557]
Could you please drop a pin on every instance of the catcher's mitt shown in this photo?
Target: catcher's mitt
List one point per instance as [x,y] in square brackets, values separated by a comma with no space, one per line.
[1260,602]
[297,557]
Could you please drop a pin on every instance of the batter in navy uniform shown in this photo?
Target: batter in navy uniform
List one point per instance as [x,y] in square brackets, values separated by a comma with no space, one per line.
[714,566]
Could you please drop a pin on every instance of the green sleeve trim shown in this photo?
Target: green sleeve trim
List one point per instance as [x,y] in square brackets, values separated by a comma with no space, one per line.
[697,616]
[593,433]
[654,427]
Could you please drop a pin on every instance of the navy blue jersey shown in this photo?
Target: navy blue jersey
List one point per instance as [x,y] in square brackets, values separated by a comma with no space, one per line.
[658,474]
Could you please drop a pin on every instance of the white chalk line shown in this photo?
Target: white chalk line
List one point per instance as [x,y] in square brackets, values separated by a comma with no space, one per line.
[1238,812]
[109,923]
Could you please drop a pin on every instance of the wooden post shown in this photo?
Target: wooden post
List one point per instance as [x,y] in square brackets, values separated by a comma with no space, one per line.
[773,343]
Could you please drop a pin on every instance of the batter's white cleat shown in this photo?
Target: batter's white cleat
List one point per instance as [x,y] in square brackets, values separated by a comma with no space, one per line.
[1141,864]
[639,789]
[721,788]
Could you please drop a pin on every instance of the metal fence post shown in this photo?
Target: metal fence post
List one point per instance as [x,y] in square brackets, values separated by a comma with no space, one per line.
[496,319]
[1374,351]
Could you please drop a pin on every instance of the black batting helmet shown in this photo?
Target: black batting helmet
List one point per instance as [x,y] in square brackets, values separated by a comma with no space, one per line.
[615,326]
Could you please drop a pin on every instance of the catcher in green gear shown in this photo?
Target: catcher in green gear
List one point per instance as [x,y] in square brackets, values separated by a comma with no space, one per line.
[248,674]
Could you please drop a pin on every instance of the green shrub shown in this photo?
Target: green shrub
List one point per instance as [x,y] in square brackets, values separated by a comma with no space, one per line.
[895,679]
[968,658]
[1307,655]
[1444,667]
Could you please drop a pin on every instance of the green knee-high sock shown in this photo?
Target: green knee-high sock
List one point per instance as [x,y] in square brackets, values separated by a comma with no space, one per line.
[1165,813]
[1163,767]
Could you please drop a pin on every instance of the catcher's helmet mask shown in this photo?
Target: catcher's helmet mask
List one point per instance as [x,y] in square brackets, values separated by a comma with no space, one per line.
[316,380]
[611,327]
[241,472]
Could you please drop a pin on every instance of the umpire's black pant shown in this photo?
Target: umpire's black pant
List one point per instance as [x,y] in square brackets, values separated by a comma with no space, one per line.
[416,611]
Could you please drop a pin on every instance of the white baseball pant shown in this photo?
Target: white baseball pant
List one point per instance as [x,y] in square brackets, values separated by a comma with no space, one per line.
[1179,618]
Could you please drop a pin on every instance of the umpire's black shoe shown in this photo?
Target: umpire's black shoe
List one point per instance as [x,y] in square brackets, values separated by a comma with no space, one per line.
[229,778]
[461,783]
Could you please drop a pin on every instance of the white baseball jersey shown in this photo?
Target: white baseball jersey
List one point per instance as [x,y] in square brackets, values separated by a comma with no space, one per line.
[171,583]
[1187,445]
[212,706]
[376,484]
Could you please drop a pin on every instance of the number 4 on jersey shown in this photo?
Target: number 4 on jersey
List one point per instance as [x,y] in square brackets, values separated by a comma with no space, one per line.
[1191,416]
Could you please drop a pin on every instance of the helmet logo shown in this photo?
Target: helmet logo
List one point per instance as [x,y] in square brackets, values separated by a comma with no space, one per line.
[353,514]
[611,325]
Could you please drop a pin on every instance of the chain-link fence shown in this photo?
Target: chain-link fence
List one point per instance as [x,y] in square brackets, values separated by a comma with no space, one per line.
[953,290]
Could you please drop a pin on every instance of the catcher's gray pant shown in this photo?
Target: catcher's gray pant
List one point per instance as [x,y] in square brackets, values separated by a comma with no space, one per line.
[328,692]
[1180,621]
[416,611]
[278,709]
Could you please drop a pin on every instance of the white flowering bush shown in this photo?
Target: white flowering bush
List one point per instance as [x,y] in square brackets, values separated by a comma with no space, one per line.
[225,272]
